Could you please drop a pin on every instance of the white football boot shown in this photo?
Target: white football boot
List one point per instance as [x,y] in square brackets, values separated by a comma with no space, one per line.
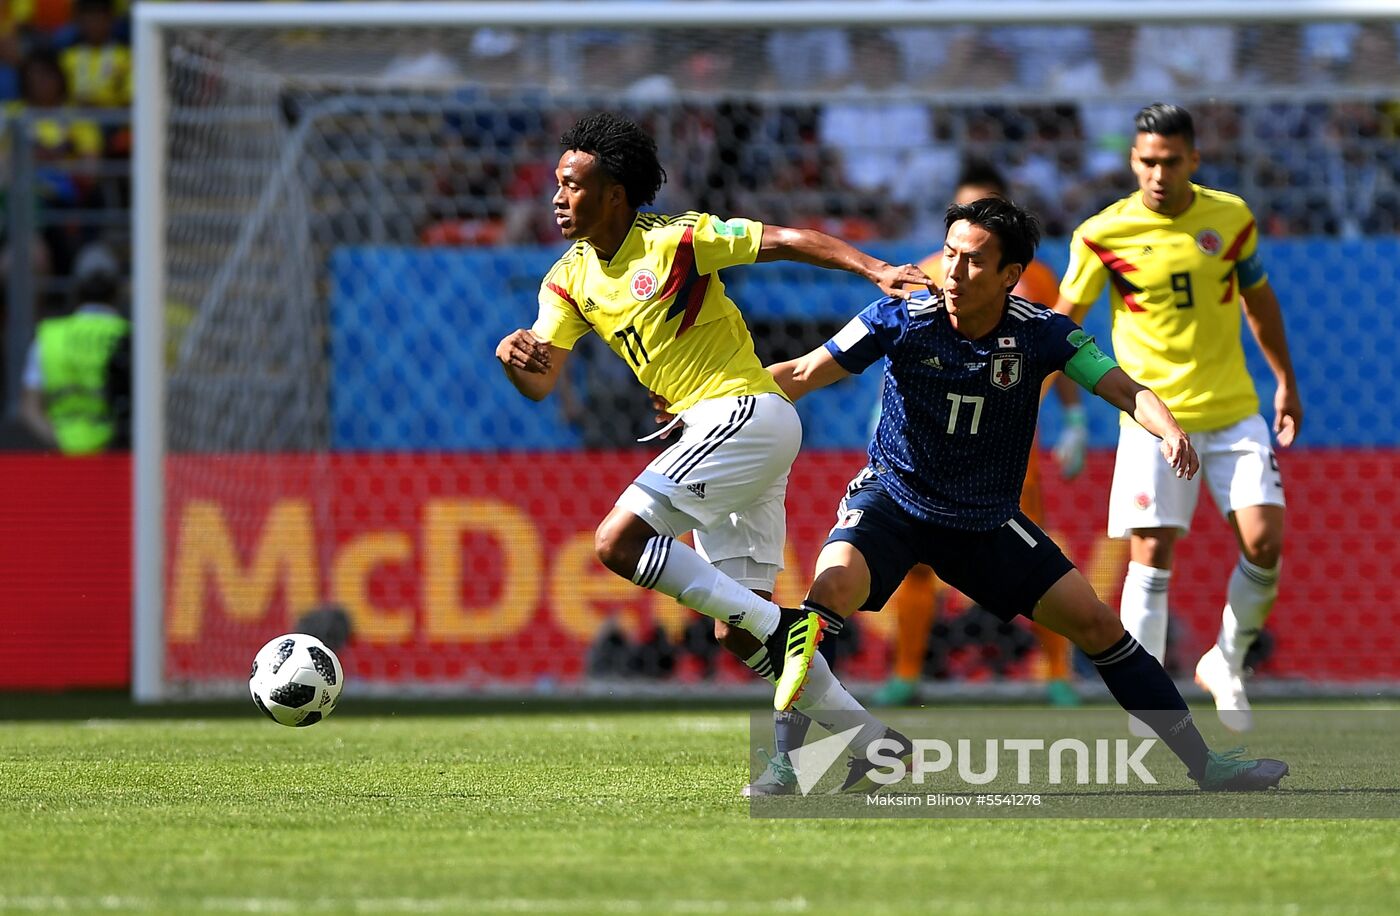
[1213,674]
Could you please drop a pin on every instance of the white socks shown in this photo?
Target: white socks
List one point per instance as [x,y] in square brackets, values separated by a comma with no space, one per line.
[825,699]
[673,568]
[1143,607]
[1248,601]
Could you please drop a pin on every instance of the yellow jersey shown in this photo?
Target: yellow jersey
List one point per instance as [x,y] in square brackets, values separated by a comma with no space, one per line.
[660,305]
[1176,283]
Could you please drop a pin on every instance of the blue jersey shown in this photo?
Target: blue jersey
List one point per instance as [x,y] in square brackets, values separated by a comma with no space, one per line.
[957,415]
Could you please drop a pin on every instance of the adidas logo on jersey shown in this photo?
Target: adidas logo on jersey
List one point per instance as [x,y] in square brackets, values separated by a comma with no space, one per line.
[589,305]
[698,489]
[934,361]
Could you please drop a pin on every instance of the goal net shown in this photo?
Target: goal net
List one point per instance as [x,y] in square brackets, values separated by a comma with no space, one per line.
[341,208]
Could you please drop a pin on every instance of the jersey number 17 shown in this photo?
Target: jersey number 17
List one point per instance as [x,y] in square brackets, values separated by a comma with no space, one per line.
[958,400]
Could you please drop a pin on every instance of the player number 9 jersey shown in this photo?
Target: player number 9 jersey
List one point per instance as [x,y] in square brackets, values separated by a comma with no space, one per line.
[1175,286]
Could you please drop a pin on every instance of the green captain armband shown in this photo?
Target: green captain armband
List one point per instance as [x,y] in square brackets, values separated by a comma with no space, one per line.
[1089,364]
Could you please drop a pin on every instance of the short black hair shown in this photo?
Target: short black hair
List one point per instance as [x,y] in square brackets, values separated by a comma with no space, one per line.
[1017,229]
[1166,120]
[625,151]
[978,172]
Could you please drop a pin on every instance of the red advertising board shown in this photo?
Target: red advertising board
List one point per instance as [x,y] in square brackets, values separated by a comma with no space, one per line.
[477,570]
[65,571]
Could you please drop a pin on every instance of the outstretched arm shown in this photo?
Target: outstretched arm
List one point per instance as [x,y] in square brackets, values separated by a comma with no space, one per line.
[1265,319]
[532,365]
[807,373]
[1072,309]
[1118,389]
[808,246]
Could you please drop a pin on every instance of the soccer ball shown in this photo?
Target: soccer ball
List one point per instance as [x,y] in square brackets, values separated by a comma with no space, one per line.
[296,680]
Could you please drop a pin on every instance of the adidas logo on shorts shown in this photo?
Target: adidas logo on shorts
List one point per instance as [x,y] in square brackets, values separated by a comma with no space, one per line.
[698,489]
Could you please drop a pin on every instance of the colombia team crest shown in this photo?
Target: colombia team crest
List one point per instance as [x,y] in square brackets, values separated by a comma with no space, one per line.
[644,285]
[1209,241]
[1006,370]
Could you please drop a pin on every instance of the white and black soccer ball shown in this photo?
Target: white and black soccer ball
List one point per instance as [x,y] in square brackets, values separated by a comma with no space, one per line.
[296,680]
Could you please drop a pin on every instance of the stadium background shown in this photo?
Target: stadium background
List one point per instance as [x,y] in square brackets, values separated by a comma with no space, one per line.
[337,431]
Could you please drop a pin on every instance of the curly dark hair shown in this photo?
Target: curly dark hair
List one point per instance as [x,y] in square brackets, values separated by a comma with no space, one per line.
[1017,229]
[625,151]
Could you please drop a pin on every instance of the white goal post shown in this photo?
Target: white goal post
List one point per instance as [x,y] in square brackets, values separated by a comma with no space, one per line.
[227,251]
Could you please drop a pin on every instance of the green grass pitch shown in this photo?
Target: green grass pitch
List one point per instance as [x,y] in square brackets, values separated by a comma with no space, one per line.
[580,812]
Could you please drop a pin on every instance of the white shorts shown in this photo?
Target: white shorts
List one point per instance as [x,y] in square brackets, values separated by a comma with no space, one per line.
[726,479]
[1237,462]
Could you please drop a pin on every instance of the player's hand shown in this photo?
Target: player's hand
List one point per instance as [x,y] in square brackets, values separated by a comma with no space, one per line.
[523,350]
[1181,454]
[901,282]
[663,412]
[1073,442]
[1288,415]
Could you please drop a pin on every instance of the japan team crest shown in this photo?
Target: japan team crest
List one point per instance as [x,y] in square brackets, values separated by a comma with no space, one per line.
[1209,241]
[1006,370]
[644,285]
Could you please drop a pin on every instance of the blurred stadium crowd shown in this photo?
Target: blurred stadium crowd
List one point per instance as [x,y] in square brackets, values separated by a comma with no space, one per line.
[872,146]
[858,132]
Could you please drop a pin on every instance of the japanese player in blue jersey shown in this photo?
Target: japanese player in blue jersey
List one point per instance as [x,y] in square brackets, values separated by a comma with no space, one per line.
[963,374]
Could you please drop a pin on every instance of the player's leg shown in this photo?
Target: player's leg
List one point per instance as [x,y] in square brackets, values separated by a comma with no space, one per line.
[1245,482]
[1143,607]
[826,700]
[1017,569]
[867,554]
[778,776]
[1054,648]
[638,540]
[1150,505]
[732,451]
[1142,687]
[865,557]
[747,545]
[914,604]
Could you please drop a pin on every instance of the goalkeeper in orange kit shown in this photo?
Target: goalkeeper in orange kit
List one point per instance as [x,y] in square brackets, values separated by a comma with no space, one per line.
[915,600]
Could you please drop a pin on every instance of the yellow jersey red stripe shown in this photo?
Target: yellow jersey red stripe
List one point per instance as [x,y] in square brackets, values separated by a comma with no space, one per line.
[683,336]
[1174,289]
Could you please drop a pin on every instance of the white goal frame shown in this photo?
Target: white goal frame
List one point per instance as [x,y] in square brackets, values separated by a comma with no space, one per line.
[152,20]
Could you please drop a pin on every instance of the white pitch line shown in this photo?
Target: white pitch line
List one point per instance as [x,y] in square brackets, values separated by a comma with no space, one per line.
[63,903]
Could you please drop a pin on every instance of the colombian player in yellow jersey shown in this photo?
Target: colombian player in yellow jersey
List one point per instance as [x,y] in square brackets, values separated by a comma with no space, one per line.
[649,286]
[915,600]
[1179,257]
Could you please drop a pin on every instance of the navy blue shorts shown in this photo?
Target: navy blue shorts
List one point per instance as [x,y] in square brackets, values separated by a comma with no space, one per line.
[1005,570]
